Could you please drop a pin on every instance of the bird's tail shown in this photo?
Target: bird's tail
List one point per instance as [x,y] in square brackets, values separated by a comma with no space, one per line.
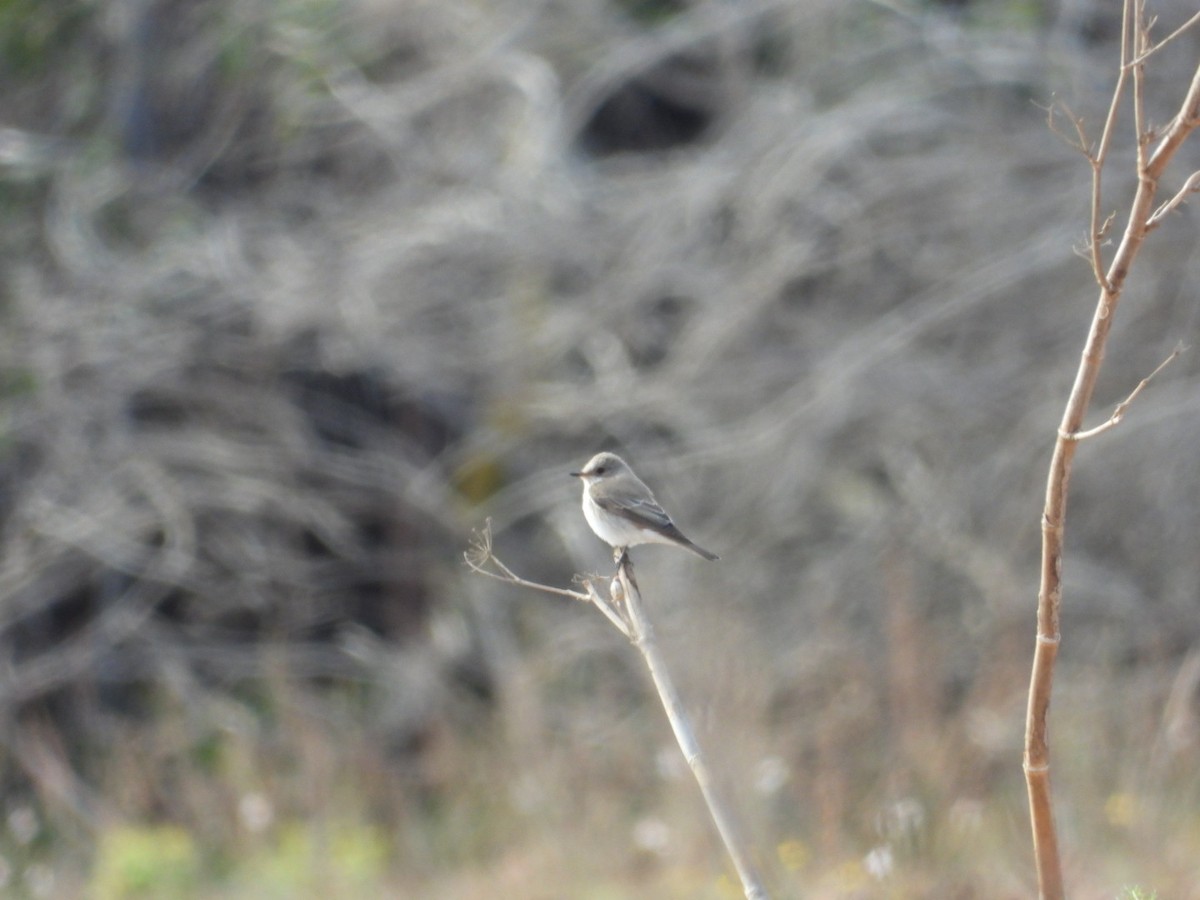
[700,551]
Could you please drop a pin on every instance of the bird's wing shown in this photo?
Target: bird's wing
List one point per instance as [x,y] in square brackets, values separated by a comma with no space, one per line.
[641,510]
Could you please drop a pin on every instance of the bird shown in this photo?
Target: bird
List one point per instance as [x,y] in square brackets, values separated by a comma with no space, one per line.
[622,510]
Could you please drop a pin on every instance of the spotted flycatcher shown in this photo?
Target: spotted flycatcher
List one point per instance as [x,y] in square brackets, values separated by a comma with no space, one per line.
[621,509]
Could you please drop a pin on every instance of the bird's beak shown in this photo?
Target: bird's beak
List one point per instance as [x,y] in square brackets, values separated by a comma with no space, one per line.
[575,474]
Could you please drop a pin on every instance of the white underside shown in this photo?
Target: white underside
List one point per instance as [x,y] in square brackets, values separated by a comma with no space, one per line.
[617,531]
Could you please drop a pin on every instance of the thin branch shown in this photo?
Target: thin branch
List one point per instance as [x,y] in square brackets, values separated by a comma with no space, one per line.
[1111,118]
[1170,37]
[685,736]
[1099,229]
[1097,160]
[480,555]
[1119,413]
[1140,39]
[1191,186]
[608,606]
[1079,142]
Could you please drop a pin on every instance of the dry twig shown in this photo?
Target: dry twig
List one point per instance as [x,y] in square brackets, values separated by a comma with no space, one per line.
[1119,413]
[480,557]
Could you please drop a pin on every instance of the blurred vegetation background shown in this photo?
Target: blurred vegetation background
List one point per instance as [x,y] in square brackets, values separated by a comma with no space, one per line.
[297,293]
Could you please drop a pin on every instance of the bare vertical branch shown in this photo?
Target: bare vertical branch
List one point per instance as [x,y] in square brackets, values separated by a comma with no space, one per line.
[1134,51]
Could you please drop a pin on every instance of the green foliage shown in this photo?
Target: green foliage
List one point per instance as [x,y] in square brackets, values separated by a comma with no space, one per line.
[17,384]
[652,12]
[479,477]
[998,13]
[1023,15]
[160,861]
[344,859]
[310,33]
[32,32]
[303,859]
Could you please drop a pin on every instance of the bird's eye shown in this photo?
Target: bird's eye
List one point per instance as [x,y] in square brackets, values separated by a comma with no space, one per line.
[599,470]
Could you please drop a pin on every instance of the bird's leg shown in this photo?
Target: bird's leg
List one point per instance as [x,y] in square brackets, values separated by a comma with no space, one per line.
[615,588]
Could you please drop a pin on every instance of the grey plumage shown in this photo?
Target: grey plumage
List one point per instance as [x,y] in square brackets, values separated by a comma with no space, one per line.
[623,511]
